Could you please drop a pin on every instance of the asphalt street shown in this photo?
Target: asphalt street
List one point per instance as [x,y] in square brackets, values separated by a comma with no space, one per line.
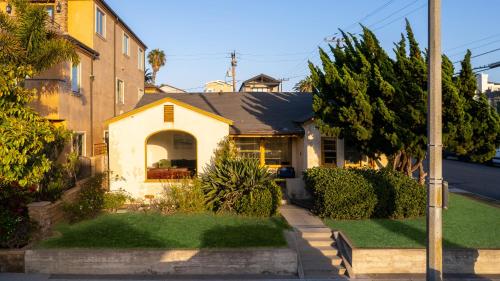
[476,178]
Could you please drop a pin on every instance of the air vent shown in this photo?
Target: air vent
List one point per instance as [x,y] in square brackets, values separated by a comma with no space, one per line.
[168,113]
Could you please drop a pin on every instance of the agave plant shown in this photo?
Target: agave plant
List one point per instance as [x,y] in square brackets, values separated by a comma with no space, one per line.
[226,182]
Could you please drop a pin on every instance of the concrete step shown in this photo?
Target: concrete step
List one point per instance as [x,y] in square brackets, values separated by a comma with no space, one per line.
[324,229]
[323,262]
[333,273]
[309,234]
[321,251]
[319,242]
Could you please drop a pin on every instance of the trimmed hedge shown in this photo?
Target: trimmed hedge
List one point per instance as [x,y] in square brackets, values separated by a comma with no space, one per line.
[365,193]
[340,193]
[399,196]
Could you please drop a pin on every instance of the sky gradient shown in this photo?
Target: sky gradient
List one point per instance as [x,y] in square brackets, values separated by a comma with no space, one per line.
[278,37]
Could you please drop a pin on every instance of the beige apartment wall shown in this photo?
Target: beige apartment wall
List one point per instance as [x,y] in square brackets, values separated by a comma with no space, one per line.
[110,66]
[56,101]
[128,138]
[127,69]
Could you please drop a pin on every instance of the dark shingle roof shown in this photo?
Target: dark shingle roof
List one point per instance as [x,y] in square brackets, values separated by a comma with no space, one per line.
[251,113]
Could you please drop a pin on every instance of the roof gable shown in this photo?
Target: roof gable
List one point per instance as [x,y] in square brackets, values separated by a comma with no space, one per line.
[163,99]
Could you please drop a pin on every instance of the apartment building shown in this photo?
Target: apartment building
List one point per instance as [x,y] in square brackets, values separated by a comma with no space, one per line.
[108,80]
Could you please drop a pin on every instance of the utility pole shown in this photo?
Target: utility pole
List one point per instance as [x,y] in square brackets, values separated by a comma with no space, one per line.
[281,83]
[234,63]
[434,261]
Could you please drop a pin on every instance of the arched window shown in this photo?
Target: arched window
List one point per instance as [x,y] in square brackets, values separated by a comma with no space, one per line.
[170,155]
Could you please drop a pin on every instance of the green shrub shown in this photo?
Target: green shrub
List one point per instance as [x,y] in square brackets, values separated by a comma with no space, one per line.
[340,193]
[114,200]
[263,204]
[240,185]
[90,201]
[187,196]
[398,195]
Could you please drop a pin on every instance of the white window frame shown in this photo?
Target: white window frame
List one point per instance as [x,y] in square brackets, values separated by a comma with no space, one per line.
[140,59]
[79,78]
[99,10]
[120,89]
[84,142]
[140,93]
[125,44]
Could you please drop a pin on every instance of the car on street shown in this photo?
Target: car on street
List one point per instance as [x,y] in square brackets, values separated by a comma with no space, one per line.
[496,158]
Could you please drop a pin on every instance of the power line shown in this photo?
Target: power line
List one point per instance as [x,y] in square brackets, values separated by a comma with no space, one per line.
[373,12]
[472,42]
[481,54]
[370,14]
[404,16]
[394,13]
[478,47]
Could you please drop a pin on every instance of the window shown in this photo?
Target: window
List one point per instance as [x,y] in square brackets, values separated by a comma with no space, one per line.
[278,151]
[120,92]
[126,44]
[76,77]
[260,90]
[140,93]
[100,22]
[269,151]
[79,143]
[168,113]
[329,151]
[140,59]
[248,147]
[50,11]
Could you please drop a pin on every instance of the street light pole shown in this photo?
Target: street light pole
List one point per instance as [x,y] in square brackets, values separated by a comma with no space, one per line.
[434,264]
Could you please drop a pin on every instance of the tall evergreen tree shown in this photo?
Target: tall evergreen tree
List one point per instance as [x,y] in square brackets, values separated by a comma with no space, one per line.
[457,130]
[484,120]
[379,105]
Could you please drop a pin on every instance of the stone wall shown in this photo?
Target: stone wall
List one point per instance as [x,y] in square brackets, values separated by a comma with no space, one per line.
[279,261]
[48,214]
[11,261]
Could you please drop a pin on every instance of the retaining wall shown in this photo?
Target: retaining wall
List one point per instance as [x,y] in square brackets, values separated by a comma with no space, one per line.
[455,261]
[281,261]
[11,260]
[48,214]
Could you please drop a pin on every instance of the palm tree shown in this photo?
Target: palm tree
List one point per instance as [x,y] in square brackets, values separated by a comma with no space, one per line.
[28,39]
[156,59]
[148,76]
[304,86]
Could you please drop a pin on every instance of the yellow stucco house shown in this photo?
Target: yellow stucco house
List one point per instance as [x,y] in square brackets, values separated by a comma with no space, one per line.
[171,136]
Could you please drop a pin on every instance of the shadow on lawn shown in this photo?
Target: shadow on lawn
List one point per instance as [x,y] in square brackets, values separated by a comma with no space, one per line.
[96,235]
[245,235]
[415,234]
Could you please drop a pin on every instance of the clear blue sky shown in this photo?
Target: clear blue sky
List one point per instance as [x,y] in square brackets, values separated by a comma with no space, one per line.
[277,37]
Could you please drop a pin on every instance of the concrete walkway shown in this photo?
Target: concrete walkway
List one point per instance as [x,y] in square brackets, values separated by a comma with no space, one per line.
[317,254]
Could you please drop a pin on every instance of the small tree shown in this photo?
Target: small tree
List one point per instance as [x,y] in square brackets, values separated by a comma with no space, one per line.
[24,135]
[27,39]
[157,60]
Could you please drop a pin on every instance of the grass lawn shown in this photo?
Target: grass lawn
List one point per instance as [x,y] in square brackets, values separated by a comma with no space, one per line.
[180,231]
[466,224]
